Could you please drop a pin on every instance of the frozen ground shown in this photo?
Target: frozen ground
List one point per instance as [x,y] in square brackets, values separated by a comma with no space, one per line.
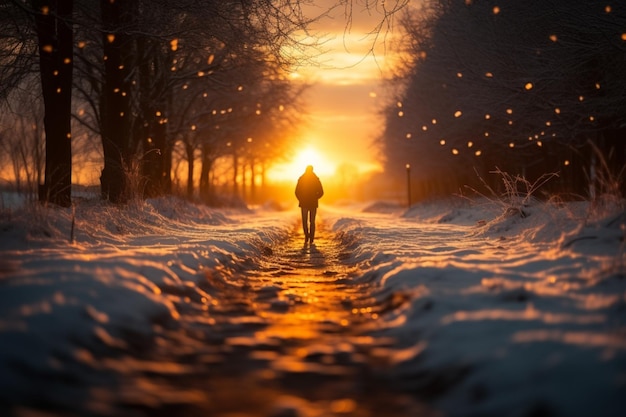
[449,309]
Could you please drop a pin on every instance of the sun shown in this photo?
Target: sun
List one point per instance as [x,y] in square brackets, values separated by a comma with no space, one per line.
[308,156]
[290,171]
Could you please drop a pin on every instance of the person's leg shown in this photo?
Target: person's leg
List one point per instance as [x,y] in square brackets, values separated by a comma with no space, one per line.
[313,212]
[305,225]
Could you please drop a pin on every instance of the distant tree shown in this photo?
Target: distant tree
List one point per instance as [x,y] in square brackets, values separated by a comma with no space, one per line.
[22,138]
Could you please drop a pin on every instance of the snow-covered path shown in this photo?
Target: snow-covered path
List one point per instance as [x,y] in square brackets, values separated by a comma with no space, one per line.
[181,310]
[308,350]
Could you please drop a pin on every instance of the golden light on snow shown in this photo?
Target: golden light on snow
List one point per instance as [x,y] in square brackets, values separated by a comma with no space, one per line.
[343,406]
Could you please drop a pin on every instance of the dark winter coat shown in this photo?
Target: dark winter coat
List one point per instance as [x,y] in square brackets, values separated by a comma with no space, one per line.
[309,190]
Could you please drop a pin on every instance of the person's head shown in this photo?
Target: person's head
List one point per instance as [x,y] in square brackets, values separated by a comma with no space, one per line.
[309,169]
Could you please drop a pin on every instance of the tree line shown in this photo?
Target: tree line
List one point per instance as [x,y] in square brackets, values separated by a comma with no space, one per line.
[141,77]
[528,88]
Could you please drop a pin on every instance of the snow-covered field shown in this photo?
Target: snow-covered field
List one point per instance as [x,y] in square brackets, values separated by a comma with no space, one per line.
[451,308]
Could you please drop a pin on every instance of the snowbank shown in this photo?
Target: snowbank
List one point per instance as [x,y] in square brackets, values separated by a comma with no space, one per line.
[490,314]
[505,315]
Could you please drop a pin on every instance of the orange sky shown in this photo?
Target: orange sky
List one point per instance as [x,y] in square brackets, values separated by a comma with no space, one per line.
[345,98]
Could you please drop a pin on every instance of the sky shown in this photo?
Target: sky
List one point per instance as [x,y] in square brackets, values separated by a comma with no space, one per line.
[345,96]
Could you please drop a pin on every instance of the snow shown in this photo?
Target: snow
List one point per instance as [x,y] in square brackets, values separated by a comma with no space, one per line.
[450,308]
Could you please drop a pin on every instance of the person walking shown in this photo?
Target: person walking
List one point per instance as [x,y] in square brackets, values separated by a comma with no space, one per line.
[308,191]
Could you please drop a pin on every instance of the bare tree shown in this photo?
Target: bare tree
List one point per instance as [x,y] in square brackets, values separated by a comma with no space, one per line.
[23,139]
[517,85]
[43,28]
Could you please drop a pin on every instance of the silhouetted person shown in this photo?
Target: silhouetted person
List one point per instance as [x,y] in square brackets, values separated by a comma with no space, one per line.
[308,191]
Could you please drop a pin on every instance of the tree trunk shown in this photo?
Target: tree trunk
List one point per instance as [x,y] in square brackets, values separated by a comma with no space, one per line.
[115,102]
[189,149]
[205,171]
[157,160]
[252,181]
[235,174]
[56,38]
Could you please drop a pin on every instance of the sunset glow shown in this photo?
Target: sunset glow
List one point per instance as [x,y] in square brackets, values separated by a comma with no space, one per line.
[291,170]
[344,94]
